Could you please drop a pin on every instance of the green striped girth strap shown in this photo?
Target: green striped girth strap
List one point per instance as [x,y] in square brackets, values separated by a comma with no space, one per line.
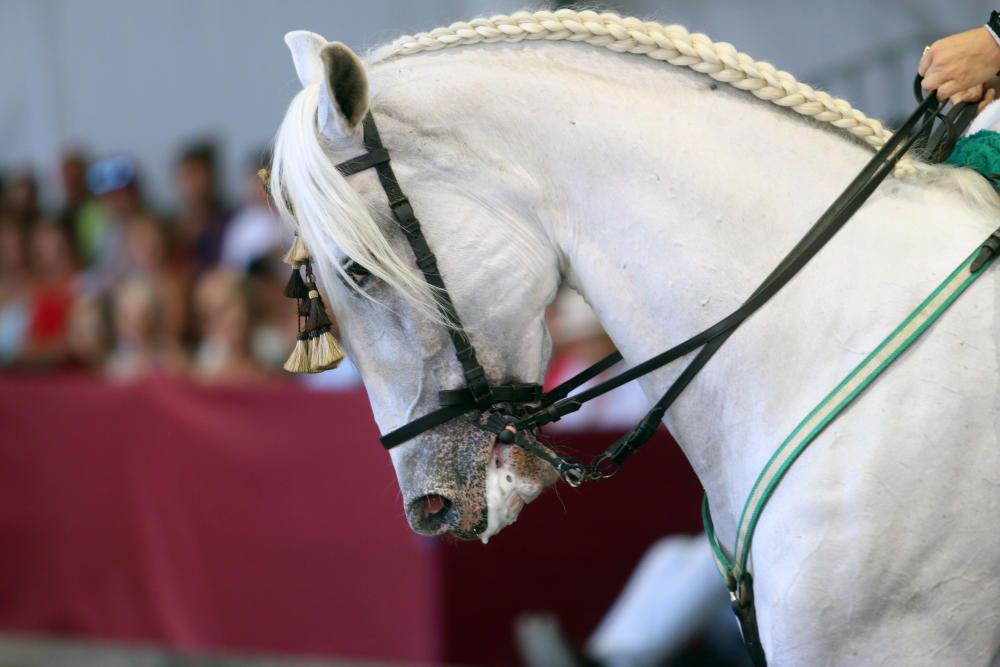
[734,570]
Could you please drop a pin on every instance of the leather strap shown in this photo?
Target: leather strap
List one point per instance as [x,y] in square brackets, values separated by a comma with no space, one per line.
[402,211]
[456,402]
[562,390]
[745,608]
[372,158]
[507,393]
[424,423]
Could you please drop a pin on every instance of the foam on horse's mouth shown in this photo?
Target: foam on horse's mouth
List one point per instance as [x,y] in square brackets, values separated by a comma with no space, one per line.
[506,492]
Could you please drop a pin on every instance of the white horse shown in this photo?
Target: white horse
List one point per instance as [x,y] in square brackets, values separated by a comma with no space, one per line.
[664,198]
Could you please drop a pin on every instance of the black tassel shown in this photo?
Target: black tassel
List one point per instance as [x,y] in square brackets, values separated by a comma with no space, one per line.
[317,311]
[316,349]
[296,288]
[303,306]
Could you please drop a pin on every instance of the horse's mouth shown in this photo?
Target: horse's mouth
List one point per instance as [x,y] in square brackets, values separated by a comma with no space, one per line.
[482,497]
[510,485]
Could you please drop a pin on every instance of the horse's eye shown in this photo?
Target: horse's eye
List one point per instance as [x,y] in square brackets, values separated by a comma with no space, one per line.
[358,274]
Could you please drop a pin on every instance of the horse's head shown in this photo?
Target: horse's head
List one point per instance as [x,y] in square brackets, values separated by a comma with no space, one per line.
[500,270]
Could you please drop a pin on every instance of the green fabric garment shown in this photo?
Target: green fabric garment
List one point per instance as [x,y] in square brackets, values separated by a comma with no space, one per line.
[91,225]
[980,151]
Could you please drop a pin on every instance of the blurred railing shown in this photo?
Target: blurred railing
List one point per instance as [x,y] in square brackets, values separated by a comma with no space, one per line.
[267,519]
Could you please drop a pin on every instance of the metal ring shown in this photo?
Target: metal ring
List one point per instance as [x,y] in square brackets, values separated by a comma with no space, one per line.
[574,476]
[605,467]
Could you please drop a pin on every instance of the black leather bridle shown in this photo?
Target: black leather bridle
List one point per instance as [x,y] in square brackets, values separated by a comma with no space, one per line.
[514,411]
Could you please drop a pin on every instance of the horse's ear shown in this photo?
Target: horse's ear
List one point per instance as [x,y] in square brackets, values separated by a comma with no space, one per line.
[344,98]
[305,47]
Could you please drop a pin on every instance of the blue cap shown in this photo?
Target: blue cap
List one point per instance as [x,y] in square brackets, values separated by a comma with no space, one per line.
[111,174]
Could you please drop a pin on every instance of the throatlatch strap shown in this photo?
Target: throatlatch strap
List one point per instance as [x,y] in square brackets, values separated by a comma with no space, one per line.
[735,570]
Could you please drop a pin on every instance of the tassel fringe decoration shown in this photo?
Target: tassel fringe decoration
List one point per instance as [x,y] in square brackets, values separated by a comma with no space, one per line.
[297,255]
[327,353]
[316,349]
[296,288]
[317,319]
[298,361]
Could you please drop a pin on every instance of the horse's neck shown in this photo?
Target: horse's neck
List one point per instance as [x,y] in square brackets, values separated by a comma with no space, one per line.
[670,198]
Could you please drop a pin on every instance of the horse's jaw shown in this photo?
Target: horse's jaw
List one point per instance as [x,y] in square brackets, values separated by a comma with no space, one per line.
[508,491]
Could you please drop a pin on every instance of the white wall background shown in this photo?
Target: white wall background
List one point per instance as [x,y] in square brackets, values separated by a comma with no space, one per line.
[142,77]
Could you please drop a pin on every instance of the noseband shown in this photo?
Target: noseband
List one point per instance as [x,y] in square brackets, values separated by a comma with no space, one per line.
[513,411]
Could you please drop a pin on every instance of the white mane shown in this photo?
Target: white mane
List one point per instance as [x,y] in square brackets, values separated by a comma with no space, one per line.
[328,211]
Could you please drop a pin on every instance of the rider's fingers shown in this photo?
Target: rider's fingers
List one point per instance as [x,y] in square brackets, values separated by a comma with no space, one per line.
[987,98]
[947,89]
[933,79]
[925,61]
[973,94]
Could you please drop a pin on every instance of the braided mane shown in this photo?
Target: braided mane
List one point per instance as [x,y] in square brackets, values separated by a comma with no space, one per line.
[670,43]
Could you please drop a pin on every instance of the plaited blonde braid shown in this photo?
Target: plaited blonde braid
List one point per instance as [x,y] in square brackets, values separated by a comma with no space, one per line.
[672,43]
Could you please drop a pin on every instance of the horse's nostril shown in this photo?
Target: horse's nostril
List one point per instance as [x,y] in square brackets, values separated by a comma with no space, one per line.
[434,504]
[432,514]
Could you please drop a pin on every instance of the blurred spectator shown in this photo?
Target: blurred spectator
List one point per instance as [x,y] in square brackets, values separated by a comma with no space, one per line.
[202,218]
[146,256]
[255,231]
[73,174]
[137,309]
[222,309]
[88,333]
[52,270]
[274,323]
[80,214]
[15,302]
[141,346]
[116,182]
[21,198]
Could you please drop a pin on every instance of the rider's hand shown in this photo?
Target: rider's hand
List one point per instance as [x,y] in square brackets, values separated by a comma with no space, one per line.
[974,94]
[984,93]
[960,62]
[990,94]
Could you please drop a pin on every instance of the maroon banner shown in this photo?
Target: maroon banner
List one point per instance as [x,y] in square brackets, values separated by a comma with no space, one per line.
[267,518]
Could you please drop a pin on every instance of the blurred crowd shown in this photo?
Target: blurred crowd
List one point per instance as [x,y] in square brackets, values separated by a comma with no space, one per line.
[103,282]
